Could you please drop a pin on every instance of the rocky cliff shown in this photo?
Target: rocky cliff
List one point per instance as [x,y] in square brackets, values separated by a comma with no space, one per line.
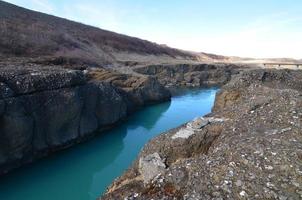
[191,75]
[249,147]
[44,109]
[137,90]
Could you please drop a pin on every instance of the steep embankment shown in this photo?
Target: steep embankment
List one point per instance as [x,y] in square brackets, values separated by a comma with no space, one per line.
[249,147]
[44,109]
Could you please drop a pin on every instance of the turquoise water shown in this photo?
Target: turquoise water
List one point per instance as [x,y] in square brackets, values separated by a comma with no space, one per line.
[83,172]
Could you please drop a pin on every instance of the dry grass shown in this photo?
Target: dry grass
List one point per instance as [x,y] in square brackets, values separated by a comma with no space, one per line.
[33,34]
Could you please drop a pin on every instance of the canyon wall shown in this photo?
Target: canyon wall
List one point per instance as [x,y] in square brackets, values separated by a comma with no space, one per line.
[191,75]
[44,109]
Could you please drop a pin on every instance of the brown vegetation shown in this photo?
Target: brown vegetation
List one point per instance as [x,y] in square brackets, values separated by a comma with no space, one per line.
[26,33]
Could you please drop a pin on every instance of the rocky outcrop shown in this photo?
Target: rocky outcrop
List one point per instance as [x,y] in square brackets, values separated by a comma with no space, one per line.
[44,109]
[249,147]
[192,75]
[137,90]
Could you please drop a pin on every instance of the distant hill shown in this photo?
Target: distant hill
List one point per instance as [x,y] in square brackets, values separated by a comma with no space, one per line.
[26,33]
[236,59]
[42,38]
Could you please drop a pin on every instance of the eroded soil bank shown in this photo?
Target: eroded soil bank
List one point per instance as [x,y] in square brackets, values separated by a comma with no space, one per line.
[249,147]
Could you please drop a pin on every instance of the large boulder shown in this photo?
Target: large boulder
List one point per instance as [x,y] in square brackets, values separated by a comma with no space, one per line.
[151,166]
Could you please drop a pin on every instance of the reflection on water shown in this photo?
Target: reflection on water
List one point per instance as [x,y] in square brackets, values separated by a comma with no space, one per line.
[84,171]
[148,117]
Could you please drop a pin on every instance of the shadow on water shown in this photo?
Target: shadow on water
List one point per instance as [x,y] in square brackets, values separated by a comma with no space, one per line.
[60,175]
[84,171]
[72,168]
[149,115]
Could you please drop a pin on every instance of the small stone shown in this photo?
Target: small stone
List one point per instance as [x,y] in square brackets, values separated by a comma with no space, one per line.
[270,185]
[245,161]
[272,132]
[243,193]
[238,183]
[268,167]
[282,197]
[295,183]
[231,173]
[252,176]
[285,130]
[216,194]
[216,120]
[198,123]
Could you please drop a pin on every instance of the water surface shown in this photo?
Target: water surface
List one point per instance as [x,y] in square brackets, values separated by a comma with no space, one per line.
[83,172]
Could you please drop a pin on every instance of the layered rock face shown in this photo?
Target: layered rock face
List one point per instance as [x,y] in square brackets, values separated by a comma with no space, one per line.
[194,75]
[137,90]
[44,109]
[249,147]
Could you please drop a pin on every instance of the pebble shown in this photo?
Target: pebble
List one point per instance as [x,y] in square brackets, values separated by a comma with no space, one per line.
[268,167]
[243,193]
[238,183]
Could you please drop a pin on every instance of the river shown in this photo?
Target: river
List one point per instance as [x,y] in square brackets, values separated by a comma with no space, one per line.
[84,171]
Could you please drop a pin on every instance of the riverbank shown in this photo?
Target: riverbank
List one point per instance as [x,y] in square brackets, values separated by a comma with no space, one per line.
[249,147]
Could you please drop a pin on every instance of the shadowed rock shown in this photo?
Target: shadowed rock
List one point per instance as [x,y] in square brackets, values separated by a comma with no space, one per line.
[44,109]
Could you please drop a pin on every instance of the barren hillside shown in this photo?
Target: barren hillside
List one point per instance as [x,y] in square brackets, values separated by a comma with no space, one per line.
[26,33]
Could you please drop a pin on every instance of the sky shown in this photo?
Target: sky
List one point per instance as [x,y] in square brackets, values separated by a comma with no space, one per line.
[246,28]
